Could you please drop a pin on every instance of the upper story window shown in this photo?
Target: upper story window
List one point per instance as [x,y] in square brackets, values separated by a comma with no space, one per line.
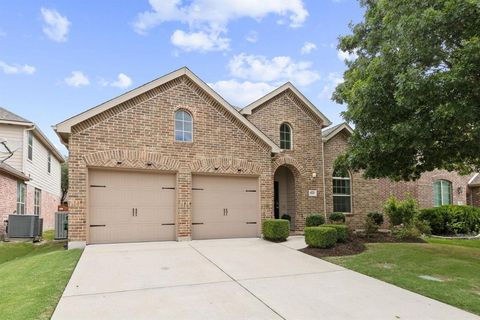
[21,194]
[37,200]
[183,126]
[49,162]
[342,191]
[285,136]
[30,144]
[442,193]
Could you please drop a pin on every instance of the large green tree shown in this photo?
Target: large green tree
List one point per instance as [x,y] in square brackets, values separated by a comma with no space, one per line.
[413,92]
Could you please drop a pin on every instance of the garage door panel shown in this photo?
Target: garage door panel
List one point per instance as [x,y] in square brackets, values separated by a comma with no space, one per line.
[129,206]
[224,230]
[224,207]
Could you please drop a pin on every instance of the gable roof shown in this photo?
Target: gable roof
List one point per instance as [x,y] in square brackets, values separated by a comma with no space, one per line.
[5,168]
[63,129]
[475,180]
[287,86]
[8,117]
[333,131]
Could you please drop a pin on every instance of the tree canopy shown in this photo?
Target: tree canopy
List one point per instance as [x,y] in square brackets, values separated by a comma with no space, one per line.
[413,91]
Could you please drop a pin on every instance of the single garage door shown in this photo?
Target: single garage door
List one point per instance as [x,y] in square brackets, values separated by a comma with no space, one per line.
[127,206]
[224,207]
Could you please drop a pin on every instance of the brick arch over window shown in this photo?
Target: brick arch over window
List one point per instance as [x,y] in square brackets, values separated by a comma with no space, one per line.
[291,163]
[225,165]
[133,159]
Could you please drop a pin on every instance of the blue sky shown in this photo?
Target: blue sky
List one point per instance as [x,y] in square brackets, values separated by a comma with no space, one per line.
[59,58]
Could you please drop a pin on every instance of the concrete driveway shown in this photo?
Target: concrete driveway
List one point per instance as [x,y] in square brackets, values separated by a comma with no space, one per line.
[231,279]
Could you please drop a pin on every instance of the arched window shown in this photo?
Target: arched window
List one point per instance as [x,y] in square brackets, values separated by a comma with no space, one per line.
[442,193]
[183,126]
[342,193]
[285,136]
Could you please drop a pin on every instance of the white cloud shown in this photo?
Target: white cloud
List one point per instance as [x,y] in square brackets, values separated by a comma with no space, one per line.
[16,68]
[333,80]
[123,81]
[252,36]
[282,68]
[308,47]
[77,79]
[56,26]
[199,41]
[241,93]
[212,17]
[344,55]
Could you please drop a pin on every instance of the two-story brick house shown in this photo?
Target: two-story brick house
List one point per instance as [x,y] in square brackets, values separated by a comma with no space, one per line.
[30,175]
[172,160]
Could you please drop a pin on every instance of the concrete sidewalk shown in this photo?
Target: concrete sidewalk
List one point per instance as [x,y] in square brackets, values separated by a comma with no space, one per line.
[231,279]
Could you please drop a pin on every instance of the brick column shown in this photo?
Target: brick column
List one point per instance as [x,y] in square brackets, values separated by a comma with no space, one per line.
[184,205]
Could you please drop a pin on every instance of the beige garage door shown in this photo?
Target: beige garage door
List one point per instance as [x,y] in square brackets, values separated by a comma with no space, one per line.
[224,207]
[129,206]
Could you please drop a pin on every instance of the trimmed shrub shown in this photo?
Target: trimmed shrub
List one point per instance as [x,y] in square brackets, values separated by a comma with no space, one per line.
[401,211]
[408,232]
[452,219]
[370,226]
[314,220]
[276,230]
[286,217]
[320,237]
[376,217]
[342,231]
[336,217]
[422,226]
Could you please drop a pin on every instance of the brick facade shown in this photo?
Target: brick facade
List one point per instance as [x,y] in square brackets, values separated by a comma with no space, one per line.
[8,194]
[8,205]
[142,130]
[304,159]
[138,134]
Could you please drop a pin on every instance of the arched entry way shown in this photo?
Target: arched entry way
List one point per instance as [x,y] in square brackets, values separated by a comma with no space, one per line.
[284,195]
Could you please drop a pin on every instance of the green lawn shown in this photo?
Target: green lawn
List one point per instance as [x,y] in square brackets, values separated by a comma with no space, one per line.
[33,277]
[456,263]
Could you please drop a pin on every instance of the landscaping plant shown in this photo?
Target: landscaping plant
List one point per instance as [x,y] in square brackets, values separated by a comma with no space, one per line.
[314,220]
[377,217]
[452,219]
[336,217]
[342,231]
[276,230]
[320,237]
[370,226]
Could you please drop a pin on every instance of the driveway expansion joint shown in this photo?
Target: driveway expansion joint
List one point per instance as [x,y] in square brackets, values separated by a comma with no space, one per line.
[242,286]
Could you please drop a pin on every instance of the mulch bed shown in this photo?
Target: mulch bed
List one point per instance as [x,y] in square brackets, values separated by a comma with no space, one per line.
[355,245]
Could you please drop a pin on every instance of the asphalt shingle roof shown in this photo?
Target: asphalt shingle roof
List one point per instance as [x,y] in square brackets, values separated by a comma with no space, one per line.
[10,116]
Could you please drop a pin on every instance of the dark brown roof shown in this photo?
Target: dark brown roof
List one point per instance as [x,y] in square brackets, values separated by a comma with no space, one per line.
[5,168]
[10,116]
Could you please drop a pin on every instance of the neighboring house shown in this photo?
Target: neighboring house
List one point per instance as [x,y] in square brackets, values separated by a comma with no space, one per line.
[172,160]
[30,178]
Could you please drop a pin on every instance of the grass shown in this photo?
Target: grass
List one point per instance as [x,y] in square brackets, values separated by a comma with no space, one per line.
[456,242]
[48,235]
[33,277]
[455,262]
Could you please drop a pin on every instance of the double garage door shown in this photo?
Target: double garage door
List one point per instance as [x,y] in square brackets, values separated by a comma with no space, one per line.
[127,206]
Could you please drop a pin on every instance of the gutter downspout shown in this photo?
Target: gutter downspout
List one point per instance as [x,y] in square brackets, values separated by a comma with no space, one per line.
[324,182]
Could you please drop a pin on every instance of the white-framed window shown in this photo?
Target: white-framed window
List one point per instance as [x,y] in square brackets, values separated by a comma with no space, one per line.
[21,194]
[49,162]
[30,144]
[442,193]
[342,191]
[37,201]
[183,126]
[285,136]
